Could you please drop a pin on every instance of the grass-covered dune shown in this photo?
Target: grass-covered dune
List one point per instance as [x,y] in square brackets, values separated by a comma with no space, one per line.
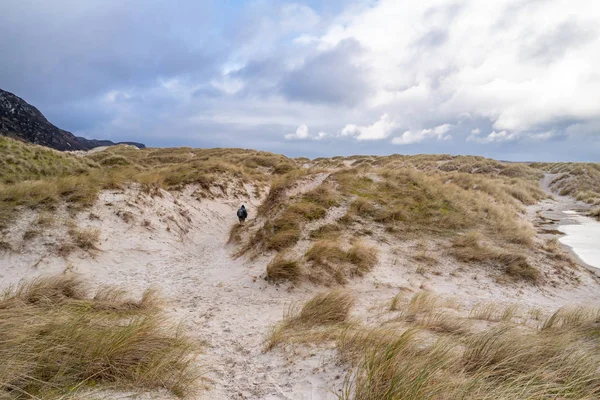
[35,177]
[578,180]
[479,206]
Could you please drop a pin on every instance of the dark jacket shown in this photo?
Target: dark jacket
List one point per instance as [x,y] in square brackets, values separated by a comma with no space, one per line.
[242,213]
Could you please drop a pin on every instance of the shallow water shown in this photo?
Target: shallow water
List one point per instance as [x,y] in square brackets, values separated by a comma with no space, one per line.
[583,236]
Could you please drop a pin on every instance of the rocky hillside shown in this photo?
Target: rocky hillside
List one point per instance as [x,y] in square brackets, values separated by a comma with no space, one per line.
[21,120]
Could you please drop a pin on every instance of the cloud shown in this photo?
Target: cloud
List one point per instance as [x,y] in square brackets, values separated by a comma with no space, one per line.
[360,74]
[301,133]
[495,137]
[410,137]
[332,76]
[486,59]
[505,136]
[379,130]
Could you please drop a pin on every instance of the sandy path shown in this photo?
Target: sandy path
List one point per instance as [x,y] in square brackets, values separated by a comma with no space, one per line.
[178,245]
[557,212]
[221,300]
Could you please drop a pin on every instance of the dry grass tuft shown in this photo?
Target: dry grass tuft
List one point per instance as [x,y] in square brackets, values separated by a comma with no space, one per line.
[324,196]
[518,268]
[503,359]
[494,312]
[328,231]
[283,269]
[395,304]
[57,340]
[363,257]
[330,262]
[284,235]
[85,238]
[363,207]
[5,246]
[325,308]
[573,318]
[306,211]
[45,220]
[321,318]
[325,252]
[468,248]
[235,234]
[499,363]
[422,302]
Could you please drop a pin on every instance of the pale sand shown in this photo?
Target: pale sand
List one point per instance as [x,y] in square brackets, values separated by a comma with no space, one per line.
[227,303]
[583,237]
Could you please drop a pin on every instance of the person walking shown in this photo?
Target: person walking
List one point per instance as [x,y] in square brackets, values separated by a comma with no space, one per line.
[242,214]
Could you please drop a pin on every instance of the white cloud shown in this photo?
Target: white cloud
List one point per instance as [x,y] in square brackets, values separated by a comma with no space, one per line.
[380,129]
[495,137]
[227,84]
[486,59]
[409,137]
[541,136]
[301,133]
[321,135]
[506,136]
[488,65]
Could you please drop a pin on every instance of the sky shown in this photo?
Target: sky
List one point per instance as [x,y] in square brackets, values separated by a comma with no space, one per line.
[514,80]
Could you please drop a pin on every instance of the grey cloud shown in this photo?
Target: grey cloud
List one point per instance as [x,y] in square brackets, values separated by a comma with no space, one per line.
[263,76]
[514,9]
[552,45]
[64,55]
[433,38]
[445,12]
[329,77]
[61,51]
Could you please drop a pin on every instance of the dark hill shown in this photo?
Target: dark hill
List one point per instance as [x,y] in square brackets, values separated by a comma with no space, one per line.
[21,120]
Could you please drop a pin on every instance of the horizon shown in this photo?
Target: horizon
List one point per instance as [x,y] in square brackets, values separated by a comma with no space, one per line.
[315,79]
